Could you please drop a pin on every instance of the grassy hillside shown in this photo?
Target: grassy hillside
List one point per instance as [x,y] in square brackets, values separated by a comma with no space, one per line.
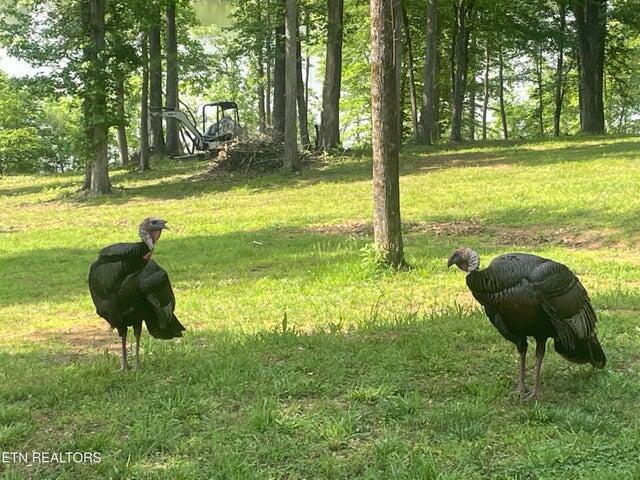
[371,374]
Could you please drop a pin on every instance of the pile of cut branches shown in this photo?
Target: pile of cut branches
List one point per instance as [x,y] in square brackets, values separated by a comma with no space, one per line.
[255,154]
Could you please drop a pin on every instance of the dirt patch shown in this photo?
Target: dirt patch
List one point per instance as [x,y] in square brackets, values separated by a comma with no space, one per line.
[80,339]
[501,235]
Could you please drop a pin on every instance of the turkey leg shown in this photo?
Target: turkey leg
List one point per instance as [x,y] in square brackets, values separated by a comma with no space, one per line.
[522,386]
[123,359]
[541,346]
[137,330]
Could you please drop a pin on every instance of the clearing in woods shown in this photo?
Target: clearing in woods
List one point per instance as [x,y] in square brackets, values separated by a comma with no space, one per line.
[370,374]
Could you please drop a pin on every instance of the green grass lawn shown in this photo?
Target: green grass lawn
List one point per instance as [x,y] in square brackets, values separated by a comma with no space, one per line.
[371,374]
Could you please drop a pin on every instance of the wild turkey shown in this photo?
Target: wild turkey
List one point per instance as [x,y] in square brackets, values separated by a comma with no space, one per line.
[529,296]
[128,287]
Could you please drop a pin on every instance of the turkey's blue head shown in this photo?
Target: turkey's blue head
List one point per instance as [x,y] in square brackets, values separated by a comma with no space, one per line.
[150,230]
[465,259]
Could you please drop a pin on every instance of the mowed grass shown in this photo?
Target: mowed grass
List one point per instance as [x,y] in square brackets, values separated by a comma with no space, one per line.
[302,360]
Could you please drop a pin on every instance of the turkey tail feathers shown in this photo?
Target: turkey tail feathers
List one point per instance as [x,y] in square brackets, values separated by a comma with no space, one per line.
[584,351]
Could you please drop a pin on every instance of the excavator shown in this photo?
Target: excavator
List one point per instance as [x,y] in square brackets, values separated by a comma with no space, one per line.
[226,126]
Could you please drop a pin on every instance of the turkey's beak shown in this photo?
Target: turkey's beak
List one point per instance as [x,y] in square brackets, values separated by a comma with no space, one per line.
[452,260]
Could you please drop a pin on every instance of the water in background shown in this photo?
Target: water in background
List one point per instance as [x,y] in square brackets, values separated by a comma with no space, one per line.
[213,12]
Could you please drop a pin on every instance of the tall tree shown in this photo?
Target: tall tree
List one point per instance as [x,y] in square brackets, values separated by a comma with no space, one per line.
[430,94]
[171,43]
[503,111]
[123,147]
[279,80]
[387,226]
[460,65]
[290,132]
[302,102]
[144,104]
[539,61]
[415,127]
[472,92]
[591,24]
[94,95]
[330,116]
[398,34]
[559,76]
[485,95]
[155,84]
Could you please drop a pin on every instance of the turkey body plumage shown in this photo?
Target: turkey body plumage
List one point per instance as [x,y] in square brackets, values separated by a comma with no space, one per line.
[529,296]
[128,289]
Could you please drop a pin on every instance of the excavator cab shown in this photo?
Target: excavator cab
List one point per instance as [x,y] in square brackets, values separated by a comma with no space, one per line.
[227,121]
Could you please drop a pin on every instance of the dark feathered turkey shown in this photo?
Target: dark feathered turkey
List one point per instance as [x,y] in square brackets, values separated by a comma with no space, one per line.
[127,288]
[529,296]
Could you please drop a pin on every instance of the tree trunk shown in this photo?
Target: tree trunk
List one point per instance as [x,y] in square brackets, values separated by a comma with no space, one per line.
[279,87]
[559,80]
[540,92]
[262,119]
[503,112]
[86,183]
[412,81]
[144,106]
[173,138]
[398,33]
[430,94]
[330,117]
[123,147]
[95,102]
[387,226]
[591,24]
[472,96]
[460,63]
[485,99]
[267,93]
[302,105]
[290,132]
[155,89]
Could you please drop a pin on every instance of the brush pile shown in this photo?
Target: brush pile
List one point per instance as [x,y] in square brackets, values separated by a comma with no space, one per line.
[260,154]
[255,154]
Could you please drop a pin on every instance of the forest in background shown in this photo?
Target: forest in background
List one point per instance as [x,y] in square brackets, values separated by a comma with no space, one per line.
[470,69]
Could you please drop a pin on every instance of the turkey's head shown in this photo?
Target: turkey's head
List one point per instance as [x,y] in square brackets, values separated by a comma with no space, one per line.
[150,230]
[465,259]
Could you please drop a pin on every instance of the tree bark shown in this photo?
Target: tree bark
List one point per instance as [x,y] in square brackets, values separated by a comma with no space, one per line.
[330,116]
[559,77]
[472,96]
[279,87]
[262,118]
[540,108]
[155,89]
[290,132]
[123,147]
[485,98]
[503,112]
[591,24]
[460,63]
[398,33]
[430,94]
[267,93]
[94,101]
[384,108]
[144,106]
[302,104]
[173,138]
[412,81]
